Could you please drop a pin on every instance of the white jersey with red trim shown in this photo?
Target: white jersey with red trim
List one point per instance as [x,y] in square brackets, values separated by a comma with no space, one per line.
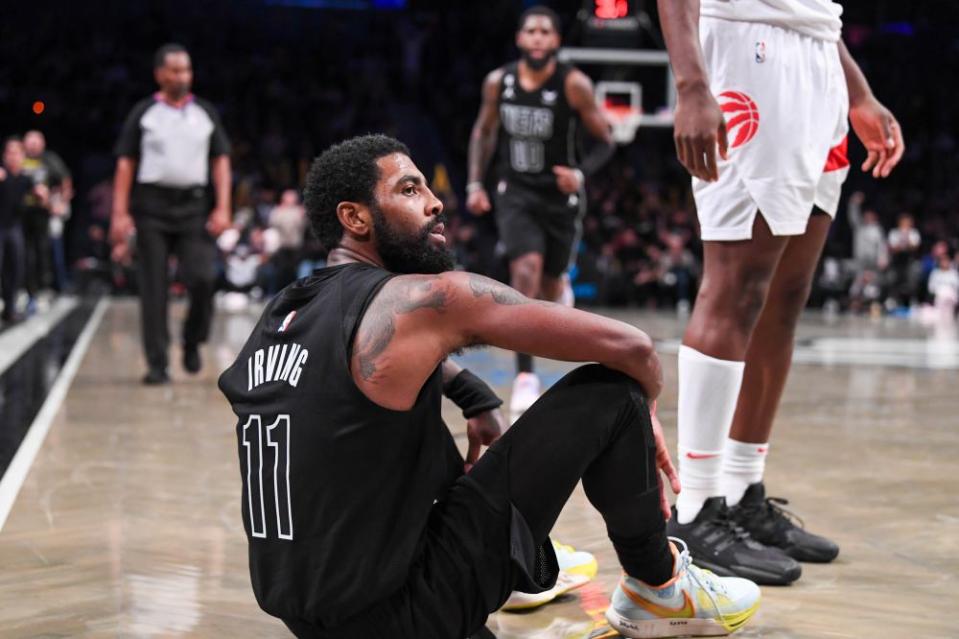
[814,18]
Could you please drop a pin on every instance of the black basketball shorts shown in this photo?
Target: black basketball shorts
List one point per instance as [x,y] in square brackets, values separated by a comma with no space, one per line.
[531,221]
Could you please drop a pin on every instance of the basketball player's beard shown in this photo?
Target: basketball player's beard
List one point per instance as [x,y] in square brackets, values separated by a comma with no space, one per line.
[537,64]
[403,253]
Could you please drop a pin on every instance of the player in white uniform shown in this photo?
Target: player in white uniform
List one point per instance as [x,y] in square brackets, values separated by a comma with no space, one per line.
[765,89]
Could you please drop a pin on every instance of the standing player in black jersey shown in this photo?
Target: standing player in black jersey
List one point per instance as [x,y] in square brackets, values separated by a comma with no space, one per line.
[360,519]
[528,119]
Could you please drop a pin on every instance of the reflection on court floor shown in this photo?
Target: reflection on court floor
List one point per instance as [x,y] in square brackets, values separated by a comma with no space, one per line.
[128,522]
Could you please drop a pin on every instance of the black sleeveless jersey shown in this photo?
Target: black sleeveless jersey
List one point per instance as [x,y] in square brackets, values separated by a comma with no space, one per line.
[537,129]
[336,489]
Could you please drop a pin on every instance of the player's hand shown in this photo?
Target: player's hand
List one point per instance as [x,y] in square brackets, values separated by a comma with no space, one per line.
[880,133]
[121,228]
[567,179]
[483,430]
[664,463]
[699,128]
[218,221]
[477,202]
[120,253]
[3,174]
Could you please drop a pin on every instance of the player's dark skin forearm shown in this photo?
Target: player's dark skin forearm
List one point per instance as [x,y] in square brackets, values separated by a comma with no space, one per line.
[483,137]
[699,129]
[679,20]
[856,83]
[579,93]
[480,152]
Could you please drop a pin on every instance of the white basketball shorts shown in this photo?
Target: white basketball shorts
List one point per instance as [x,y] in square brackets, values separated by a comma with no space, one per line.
[784,98]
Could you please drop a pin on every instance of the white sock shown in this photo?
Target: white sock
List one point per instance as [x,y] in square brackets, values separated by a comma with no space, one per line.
[743,464]
[708,390]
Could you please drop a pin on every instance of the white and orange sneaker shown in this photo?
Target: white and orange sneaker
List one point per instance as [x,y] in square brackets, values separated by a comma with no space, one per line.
[525,393]
[694,602]
[576,567]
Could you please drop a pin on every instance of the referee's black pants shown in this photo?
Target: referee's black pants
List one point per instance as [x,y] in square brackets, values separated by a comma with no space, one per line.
[489,535]
[173,222]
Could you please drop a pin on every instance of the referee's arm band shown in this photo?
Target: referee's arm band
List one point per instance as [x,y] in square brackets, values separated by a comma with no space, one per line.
[471,394]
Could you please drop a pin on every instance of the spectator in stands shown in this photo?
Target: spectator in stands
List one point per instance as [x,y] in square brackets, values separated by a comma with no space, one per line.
[46,170]
[15,187]
[944,286]
[288,222]
[904,243]
[869,250]
[870,254]
[49,169]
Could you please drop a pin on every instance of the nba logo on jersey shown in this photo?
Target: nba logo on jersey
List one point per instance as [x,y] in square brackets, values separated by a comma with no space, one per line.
[286,321]
[508,92]
[760,52]
[549,97]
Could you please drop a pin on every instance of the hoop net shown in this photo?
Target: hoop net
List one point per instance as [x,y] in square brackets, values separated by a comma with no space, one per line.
[624,119]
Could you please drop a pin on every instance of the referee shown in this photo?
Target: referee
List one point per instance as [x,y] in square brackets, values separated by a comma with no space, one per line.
[166,149]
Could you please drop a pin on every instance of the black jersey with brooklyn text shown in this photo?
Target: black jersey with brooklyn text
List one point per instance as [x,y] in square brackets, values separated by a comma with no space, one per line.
[537,129]
[337,490]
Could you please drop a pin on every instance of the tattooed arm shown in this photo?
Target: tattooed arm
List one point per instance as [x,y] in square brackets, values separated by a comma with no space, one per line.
[417,320]
[498,315]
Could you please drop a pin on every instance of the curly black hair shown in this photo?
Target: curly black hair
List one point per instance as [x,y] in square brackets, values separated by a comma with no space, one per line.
[345,172]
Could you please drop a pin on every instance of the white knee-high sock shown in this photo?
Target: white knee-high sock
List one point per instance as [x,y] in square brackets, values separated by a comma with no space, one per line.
[743,464]
[708,390]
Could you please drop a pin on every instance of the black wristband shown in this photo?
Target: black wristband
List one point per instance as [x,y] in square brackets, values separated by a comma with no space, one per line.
[471,394]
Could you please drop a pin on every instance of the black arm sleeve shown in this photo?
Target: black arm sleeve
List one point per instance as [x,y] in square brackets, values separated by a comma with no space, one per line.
[471,394]
[598,154]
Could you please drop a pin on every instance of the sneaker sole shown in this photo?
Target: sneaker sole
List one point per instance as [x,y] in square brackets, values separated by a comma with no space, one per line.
[811,556]
[657,628]
[565,582]
[673,627]
[761,577]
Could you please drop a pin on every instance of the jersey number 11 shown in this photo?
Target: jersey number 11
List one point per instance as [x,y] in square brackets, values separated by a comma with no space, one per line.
[276,436]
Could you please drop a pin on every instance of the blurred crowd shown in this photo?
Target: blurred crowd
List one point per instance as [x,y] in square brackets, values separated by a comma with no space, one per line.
[35,193]
[285,93]
[891,267]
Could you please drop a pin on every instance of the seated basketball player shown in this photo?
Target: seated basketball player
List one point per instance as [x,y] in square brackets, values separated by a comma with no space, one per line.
[360,519]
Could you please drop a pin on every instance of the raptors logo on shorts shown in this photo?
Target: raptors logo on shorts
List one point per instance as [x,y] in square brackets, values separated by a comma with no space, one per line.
[743,116]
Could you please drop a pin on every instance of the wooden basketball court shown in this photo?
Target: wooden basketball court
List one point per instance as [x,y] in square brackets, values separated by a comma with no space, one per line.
[128,520]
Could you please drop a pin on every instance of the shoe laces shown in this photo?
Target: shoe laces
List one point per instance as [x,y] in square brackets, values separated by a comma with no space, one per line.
[774,509]
[733,531]
[707,580]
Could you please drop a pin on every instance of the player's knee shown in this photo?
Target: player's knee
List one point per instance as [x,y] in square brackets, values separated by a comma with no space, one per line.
[736,302]
[608,388]
[789,299]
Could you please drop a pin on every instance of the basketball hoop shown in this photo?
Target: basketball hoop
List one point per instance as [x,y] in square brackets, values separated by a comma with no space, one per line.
[622,104]
[624,121]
